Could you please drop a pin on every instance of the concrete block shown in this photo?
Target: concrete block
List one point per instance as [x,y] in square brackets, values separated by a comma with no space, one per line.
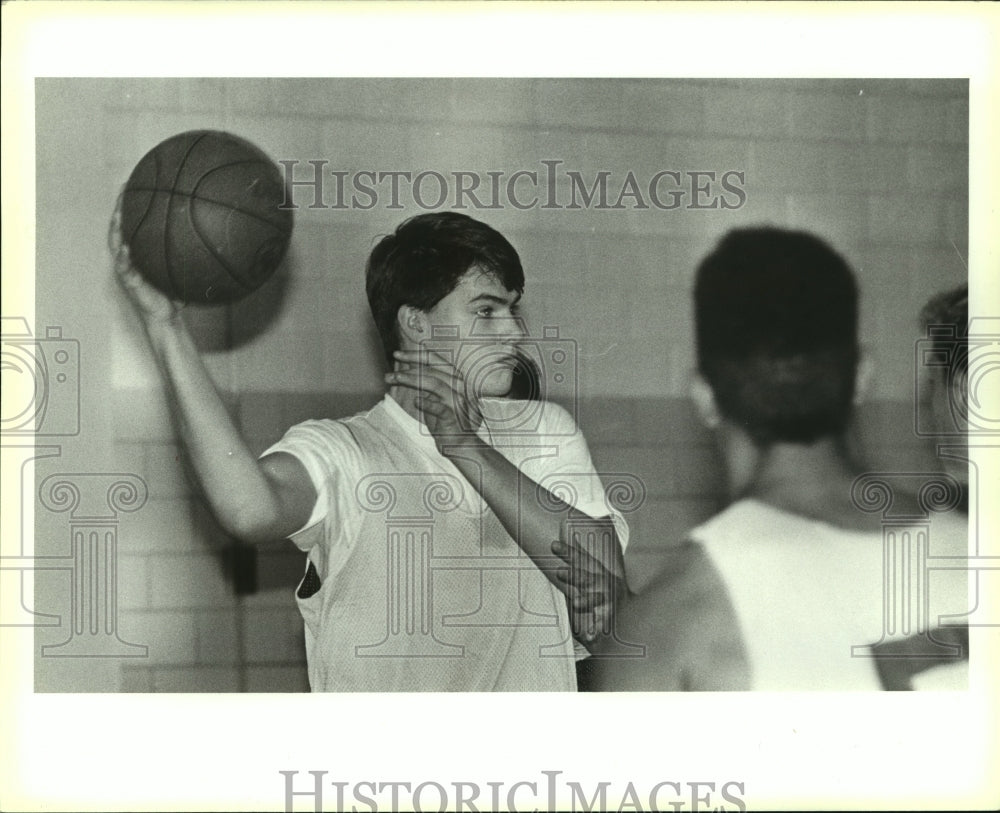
[837,116]
[580,102]
[217,637]
[904,218]
[136,679]
[938,169]
[747,111]
[132,582]
[277,679]
[196,679]
[169,634]
[660,106]
[271,635]
[189,581]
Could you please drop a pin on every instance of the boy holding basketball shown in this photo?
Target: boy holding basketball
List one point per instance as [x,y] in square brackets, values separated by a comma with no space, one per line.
[426,521]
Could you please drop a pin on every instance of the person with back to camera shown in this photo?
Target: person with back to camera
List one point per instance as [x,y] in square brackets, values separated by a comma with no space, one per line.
[942,405]
[944,385]
[782,590]
[439,441]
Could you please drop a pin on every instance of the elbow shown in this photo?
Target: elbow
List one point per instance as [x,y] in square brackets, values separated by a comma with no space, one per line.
[253,534]
[253,525]
[260,531]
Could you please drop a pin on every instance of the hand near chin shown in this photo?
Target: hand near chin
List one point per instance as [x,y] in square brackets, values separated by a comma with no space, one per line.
[449,410]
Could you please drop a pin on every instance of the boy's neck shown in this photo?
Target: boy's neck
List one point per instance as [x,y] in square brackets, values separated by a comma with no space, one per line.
[812,480]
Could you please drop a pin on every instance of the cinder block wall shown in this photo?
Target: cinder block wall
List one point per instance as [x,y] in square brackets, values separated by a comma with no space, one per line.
[879,168]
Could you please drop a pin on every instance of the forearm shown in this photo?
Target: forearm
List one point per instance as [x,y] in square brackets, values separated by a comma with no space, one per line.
[531,515]
[228,473]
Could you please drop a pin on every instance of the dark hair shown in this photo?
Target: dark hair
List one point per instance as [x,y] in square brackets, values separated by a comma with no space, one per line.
[423,260]
[776,316]
[949,310]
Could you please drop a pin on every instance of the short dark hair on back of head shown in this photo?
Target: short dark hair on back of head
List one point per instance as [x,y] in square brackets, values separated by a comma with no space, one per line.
[776,316]
[422,261]
[949,310]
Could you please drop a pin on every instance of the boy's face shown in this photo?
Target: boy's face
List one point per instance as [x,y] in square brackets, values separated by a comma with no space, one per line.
[946,397]
[476,326]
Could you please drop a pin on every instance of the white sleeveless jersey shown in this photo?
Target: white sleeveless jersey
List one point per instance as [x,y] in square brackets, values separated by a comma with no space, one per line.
[812,600]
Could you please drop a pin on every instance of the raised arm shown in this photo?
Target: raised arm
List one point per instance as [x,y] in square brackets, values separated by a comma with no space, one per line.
[254,500]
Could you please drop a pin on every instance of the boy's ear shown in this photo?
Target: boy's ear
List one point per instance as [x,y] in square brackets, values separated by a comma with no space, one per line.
[412,323]
[864,375]
[704,401]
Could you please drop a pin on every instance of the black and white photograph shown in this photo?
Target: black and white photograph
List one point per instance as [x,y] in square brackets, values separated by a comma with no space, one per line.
[457,382]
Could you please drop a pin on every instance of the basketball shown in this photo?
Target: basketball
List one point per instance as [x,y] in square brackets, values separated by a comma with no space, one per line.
[201,217]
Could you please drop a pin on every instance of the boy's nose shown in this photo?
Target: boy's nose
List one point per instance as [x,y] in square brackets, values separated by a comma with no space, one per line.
[515,329]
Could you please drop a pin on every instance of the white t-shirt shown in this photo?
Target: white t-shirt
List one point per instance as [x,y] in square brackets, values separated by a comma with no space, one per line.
[420,587]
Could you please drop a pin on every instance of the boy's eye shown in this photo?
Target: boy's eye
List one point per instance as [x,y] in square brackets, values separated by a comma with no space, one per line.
[486,311]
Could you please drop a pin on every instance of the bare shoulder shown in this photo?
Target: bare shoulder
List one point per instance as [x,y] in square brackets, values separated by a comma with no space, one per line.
[686,627]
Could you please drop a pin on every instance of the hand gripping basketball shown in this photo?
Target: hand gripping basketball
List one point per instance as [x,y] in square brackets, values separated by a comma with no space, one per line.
[150,302]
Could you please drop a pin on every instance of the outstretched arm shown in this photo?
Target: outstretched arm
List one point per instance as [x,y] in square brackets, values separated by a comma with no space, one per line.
[452,419]
[254,500]
[688,630]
